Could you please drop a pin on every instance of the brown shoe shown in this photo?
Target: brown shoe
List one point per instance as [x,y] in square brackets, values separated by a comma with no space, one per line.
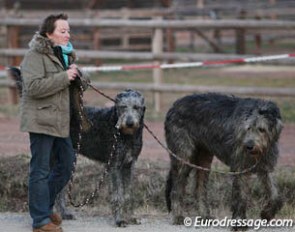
[50,227]
[56,219]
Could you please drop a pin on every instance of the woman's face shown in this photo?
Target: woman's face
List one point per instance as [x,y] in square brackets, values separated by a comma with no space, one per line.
[61,33]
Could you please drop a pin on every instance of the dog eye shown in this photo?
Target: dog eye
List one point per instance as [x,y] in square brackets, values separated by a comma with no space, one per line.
[136,107]
[261,130]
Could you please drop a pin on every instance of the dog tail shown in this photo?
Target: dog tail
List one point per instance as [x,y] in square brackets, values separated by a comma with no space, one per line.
[15,74]
[169,184]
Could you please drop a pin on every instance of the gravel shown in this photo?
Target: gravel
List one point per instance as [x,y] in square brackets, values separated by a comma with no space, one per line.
[20,222]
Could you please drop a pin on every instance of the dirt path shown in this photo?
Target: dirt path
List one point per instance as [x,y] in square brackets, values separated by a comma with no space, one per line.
[13,142]
[12,222]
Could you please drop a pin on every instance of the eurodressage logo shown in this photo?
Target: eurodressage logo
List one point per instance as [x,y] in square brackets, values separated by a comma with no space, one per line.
[256,224]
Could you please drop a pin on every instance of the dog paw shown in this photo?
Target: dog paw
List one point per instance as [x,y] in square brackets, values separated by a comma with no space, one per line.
[121,223]
[271,209]
[266,214]
[68,216]
[178,220]
[209,217]
[239,228]
[134,221]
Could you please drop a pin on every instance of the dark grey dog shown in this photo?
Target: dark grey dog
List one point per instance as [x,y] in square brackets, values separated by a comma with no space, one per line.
[127,116]
[239,132]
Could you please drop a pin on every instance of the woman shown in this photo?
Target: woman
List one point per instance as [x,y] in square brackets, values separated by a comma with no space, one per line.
[48,71]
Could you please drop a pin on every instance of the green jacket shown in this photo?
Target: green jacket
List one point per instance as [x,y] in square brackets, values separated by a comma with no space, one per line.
[45,102]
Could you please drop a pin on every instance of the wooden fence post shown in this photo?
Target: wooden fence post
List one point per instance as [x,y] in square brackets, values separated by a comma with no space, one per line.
[272,3]
[216,32]
[13,42]
[258,39]
[200,4]
[273,16]
[170,40]
[125,37]
[240,36]
[96,42]
[157,48]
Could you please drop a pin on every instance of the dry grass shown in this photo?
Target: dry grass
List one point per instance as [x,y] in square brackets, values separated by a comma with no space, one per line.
[149,192]
[236,75]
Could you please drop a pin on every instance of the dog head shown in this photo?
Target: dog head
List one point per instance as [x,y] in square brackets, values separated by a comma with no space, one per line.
[262,128]
[130,110]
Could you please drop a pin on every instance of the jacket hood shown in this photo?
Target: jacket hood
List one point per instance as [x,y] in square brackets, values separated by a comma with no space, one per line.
[44,45]
[41,44]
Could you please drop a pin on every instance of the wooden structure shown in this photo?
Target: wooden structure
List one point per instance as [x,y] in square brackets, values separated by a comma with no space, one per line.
[158,26]
[84,4]
[148,30]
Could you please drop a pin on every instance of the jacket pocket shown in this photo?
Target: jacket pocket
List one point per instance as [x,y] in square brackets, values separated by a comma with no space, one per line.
[47,115]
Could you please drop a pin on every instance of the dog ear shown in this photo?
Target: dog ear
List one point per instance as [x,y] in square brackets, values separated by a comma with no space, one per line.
[143,113]
[265,108]
[270,109]
[279,126]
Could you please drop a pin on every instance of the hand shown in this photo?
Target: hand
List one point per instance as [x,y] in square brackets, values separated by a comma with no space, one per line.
[72,72]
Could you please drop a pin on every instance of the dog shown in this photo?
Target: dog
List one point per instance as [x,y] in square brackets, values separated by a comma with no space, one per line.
[96,143]
[238,131]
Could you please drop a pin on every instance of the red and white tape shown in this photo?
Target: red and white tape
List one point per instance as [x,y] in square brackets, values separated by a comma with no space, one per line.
[181,65]
[186,65]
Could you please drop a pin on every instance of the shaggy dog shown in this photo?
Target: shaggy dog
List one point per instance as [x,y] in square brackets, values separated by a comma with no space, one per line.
[238,131]
[126,116]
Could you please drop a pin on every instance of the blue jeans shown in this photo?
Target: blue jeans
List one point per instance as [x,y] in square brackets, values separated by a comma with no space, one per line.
[50,169]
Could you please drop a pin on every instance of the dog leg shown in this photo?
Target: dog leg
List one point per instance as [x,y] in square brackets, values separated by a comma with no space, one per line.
[179,179]
[117,196]
[201,186]
[128,175]
[273,201]
[61,208]
[240,193]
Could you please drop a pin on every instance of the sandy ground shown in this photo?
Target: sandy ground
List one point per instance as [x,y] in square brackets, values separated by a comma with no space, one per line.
[13,142]
[13,222]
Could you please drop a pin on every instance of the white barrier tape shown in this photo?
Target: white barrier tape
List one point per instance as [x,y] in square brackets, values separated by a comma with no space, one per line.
[102,68]
[181,65]
[265,58]
[187,65]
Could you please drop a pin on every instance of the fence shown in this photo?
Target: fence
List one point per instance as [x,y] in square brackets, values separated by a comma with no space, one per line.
[157,54]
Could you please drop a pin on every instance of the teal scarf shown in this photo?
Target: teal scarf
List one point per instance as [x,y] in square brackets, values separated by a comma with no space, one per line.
[66,50]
